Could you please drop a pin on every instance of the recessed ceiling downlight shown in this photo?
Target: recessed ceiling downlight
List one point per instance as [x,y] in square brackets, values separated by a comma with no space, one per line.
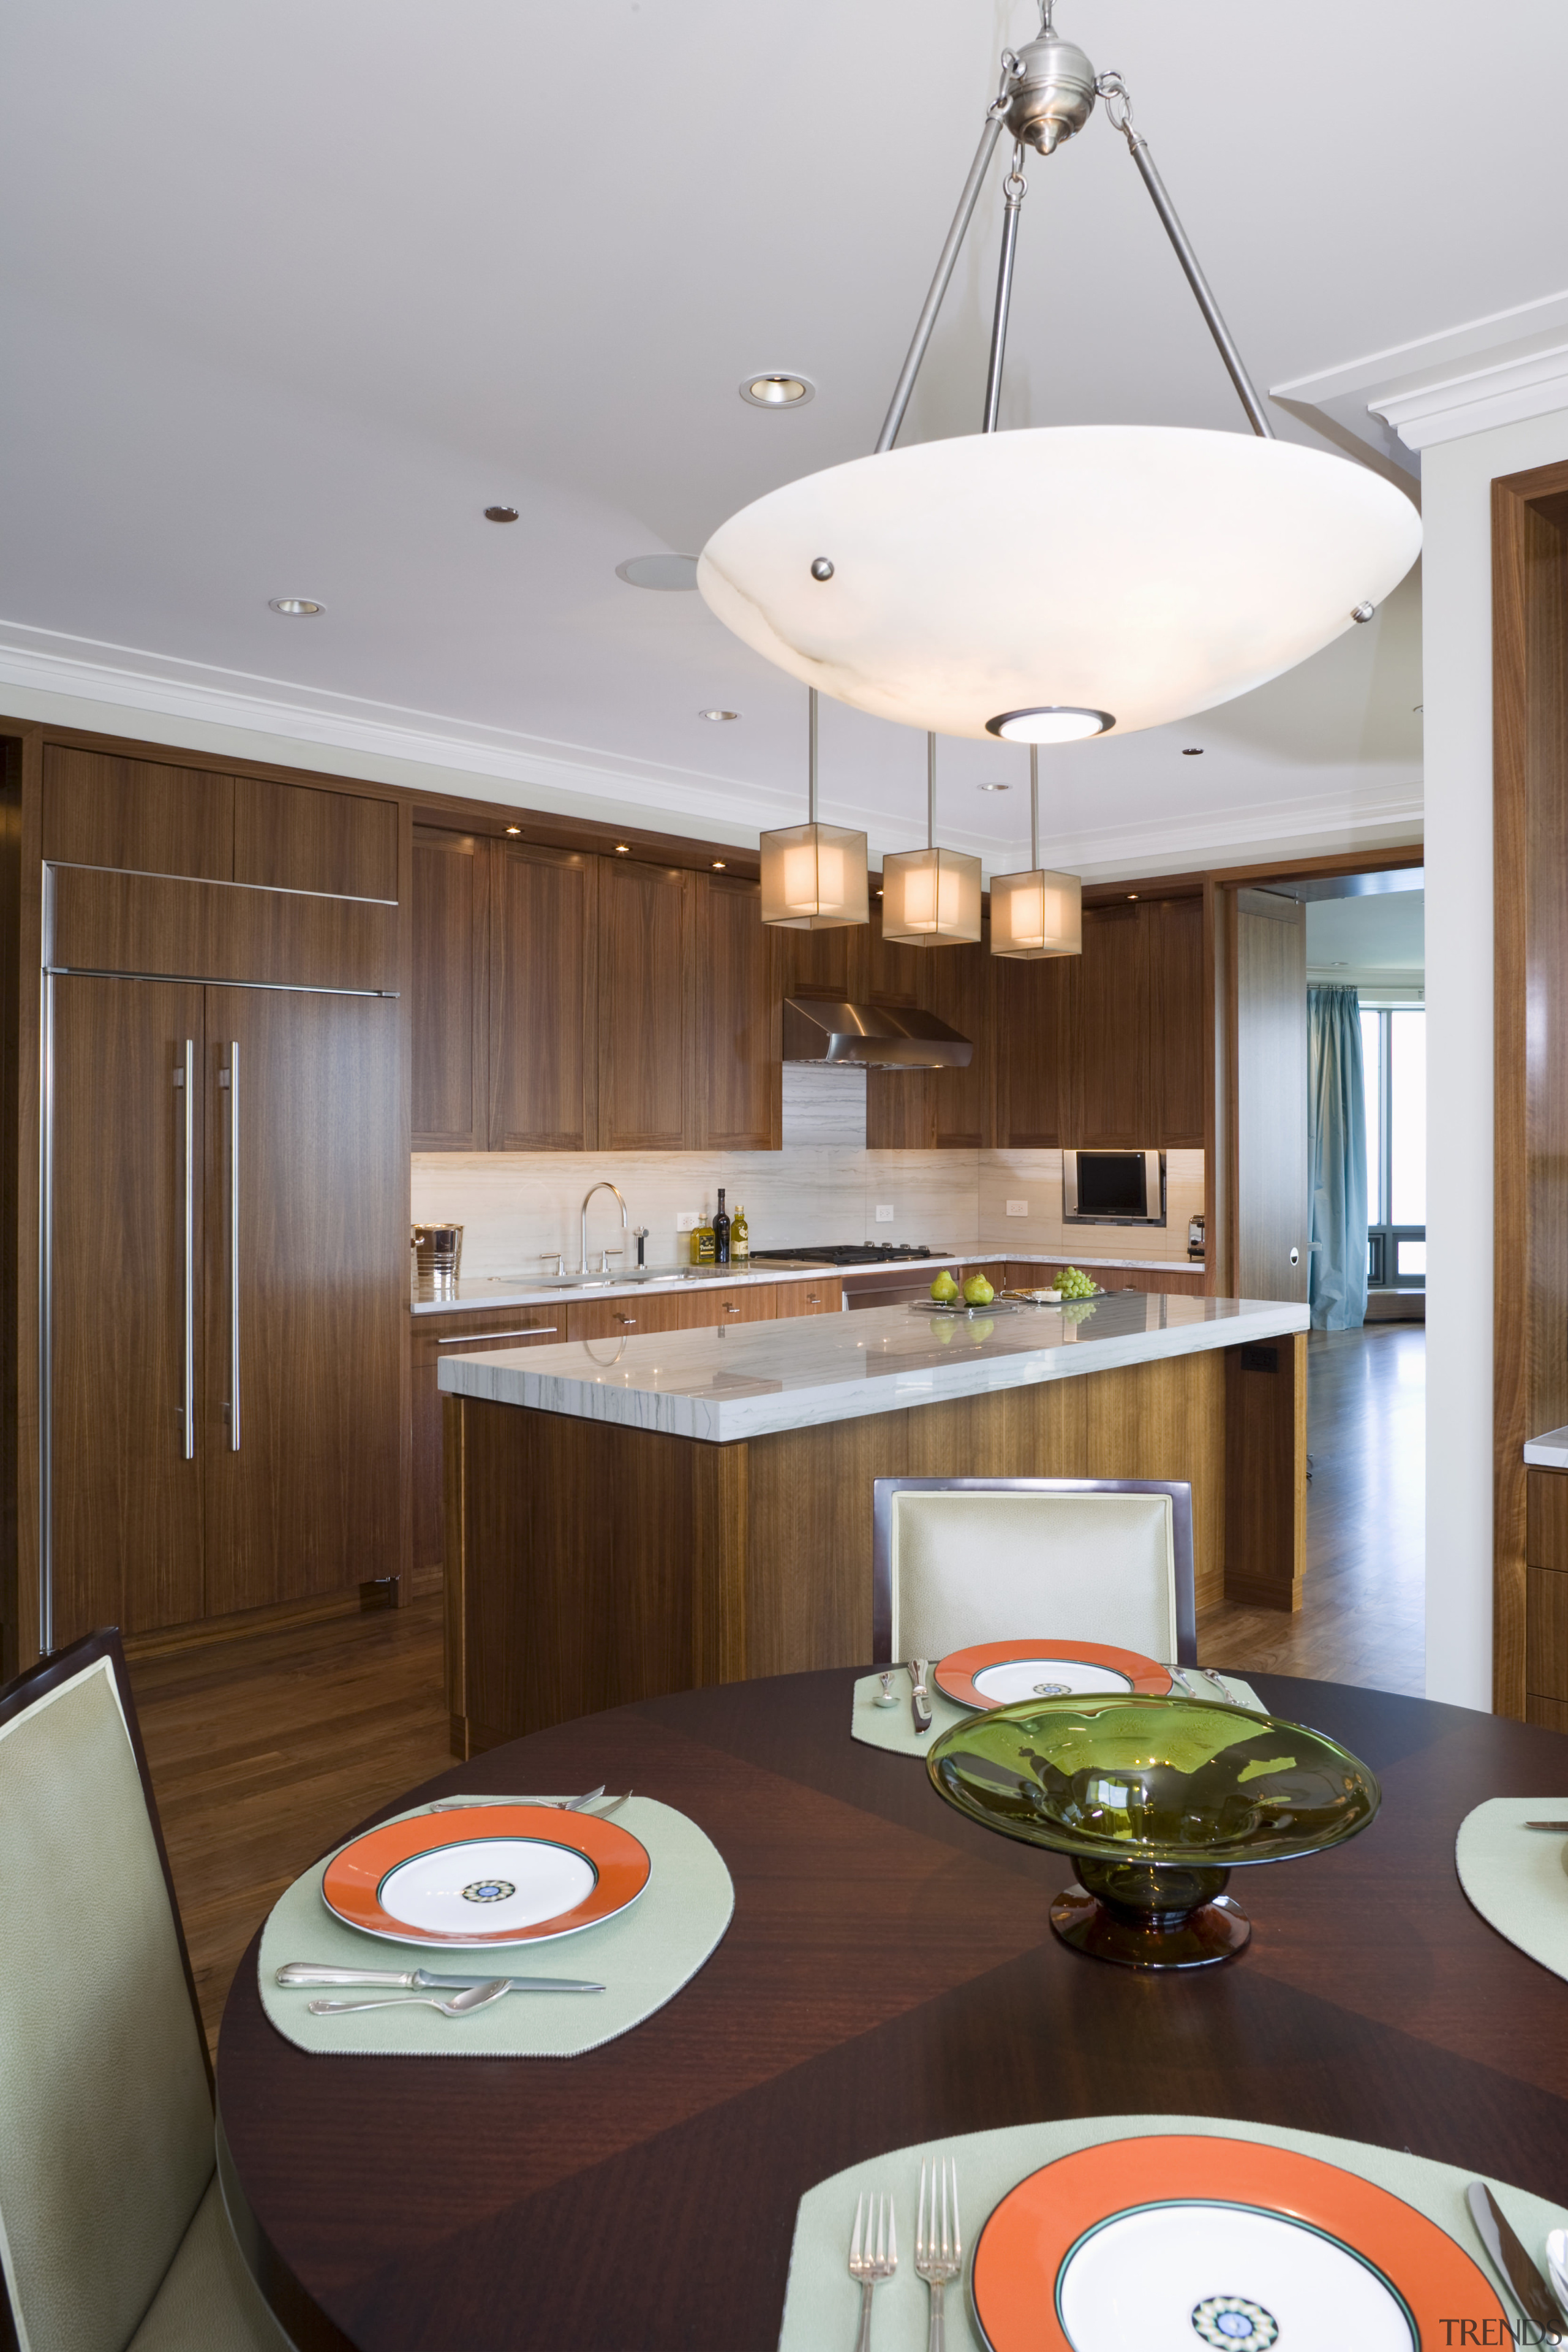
[1050,722]
[717,715]
[659,572]
[778,389]
[295,608]
[500,514]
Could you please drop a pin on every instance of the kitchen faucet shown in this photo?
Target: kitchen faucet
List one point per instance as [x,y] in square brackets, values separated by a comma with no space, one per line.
[603,1185]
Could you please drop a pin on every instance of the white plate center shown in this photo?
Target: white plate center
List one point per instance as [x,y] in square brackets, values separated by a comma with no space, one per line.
[1172,2278]
[1012,1679]
[487,1885]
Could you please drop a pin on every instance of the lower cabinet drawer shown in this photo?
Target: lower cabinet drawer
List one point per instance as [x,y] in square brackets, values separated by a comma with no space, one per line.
[815,1298]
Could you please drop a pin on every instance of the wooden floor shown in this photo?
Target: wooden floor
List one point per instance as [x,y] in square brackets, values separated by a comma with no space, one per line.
[265,1750]
[1362,1614]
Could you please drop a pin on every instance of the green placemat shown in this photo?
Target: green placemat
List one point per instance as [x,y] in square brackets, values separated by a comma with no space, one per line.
[893,1728]
[1518,1878]
[642,1958]
[823,2302]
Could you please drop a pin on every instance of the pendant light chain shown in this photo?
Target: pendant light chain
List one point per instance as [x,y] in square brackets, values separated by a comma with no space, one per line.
[1015,188]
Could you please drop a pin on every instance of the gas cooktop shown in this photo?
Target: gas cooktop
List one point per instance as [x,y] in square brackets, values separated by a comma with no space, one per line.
[855,1253]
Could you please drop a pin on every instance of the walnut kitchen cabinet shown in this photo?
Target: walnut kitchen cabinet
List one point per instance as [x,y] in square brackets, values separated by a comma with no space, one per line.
[824,1298]
[647,932]
[741,1001]
[1035,1018]
[450,1015]
[474,1333]
[695,1306]
[546,908]
[1113,1097]
[1177,1020]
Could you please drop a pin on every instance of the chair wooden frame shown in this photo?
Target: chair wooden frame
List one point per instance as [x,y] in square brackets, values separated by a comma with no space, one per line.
[15,1699]
[884,1490]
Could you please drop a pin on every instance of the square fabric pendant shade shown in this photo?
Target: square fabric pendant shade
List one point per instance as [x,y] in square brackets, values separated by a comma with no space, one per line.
[814,877]
[1036,913]
[930,897]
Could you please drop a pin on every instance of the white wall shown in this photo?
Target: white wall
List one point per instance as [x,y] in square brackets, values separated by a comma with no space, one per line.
[1457,478]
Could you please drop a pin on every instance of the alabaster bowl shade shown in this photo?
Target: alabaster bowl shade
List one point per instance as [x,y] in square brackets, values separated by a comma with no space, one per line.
[1036,913]
[1144,571]
[814,877]
[930,897]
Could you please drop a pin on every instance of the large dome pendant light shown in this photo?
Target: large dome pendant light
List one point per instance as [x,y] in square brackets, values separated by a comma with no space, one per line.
[1039,913]
[931,896]
[1058,580]
[813,876]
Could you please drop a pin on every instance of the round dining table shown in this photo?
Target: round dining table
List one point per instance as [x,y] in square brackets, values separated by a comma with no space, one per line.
[889,1977]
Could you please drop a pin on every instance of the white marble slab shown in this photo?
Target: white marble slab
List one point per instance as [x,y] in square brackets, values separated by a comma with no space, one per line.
[1547,1452]
[722,1385]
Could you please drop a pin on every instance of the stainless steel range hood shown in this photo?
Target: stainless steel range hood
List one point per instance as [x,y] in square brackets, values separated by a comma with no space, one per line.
[872,1036]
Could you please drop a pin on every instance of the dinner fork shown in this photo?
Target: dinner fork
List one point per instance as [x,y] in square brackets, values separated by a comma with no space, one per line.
[938,2254]
[873,2255]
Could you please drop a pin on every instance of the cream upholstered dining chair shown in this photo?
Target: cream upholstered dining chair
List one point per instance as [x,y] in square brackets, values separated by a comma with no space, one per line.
[112,2228]
[957,1560]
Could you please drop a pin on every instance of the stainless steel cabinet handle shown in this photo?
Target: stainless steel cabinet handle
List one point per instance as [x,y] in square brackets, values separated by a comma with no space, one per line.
[622,1319]
[477,1339]
[732,1310]
[185,1080]
[230,1078]
[812,1299]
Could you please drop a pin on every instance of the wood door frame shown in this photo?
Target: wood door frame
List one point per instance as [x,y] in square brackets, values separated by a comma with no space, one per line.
[1530,879]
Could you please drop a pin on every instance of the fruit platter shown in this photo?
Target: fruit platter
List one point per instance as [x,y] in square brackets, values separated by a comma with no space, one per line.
[975,1297]
[1072,1283]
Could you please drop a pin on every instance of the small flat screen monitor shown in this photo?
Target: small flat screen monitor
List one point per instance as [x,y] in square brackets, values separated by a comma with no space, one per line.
[1119,1188]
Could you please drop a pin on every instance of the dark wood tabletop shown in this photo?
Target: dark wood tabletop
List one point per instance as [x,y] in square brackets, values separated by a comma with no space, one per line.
[889,1976]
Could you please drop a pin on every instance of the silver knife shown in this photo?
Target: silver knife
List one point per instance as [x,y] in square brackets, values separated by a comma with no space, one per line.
[918,1694]
[1546,1825]
[1512,2264]
[308,1973]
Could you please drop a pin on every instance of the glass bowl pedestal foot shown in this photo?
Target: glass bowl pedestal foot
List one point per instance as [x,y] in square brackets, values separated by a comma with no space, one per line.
[1150,1915]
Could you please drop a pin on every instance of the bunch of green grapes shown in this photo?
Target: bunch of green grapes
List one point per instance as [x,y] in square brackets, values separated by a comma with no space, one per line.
[1072,1284]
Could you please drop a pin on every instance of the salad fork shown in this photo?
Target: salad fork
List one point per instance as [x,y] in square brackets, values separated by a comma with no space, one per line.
[873,2255]
[939,2246]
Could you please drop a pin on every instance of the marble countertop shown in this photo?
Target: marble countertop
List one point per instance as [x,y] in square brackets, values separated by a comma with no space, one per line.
[722,1385]
[473,1293]
[1548,1452]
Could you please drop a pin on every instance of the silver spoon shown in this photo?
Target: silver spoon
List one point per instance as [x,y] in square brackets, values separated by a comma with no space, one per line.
[460,2004]
[1557,2266]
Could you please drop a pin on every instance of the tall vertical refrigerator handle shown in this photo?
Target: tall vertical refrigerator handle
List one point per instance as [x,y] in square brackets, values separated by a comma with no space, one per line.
[185,1080]
[230,1079]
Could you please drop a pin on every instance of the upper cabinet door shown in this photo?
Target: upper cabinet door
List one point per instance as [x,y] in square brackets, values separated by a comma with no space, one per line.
[1178,1025]
[961,993]
[1036,1020]
[740,1045]
[300,837]
[450,993]
[100,810]
[648,1092]
[1114,1107]
[544,915]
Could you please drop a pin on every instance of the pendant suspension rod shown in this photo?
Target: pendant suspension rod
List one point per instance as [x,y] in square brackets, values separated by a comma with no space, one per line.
[1138,148]
[811,751]
[946,262]
[931,792]
[1015,187]
[1034,808]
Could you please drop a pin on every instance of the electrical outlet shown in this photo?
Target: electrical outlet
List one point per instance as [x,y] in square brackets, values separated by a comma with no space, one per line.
[1018,1208]
[884,1212]
[686,1222]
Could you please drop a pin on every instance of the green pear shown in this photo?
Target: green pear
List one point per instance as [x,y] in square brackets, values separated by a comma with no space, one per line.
[944,1287]
[978,1291]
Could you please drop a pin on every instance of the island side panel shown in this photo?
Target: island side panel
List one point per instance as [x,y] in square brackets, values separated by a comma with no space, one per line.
[808,1594]
[1265,1472]
[597,1565]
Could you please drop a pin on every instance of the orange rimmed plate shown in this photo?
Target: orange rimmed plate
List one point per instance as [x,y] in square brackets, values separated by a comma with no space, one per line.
[1005,1674]
[1175,2243]
[489,1874]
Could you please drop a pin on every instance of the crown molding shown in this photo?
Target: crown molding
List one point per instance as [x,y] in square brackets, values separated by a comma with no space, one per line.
[376,741]
[1500,370]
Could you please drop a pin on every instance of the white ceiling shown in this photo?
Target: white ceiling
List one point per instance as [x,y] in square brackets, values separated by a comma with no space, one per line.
[292,293]
[1347,937]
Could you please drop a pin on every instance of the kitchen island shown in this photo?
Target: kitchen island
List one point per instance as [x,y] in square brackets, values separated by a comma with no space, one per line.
[633,1516]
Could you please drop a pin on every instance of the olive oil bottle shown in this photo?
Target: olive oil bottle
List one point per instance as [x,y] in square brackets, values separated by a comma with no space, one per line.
[702,1244]
[721,1232]
[740,1238]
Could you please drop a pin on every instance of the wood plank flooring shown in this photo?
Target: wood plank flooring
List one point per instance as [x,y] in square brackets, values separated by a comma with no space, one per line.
[265,1749]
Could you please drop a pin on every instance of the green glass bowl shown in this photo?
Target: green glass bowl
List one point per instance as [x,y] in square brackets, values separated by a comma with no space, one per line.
[1157,1799]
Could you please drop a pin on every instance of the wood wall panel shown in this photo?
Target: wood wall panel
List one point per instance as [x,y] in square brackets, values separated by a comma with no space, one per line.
[1268,1058]
[300,837]
[209,930]
[545,909]
[101,810]
[1177,1004]
[431,1337]
[1530,803]
[808,1558]
[450,1006]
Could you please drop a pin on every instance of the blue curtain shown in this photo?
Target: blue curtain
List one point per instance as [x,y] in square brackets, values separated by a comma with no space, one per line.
[1336,1160]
